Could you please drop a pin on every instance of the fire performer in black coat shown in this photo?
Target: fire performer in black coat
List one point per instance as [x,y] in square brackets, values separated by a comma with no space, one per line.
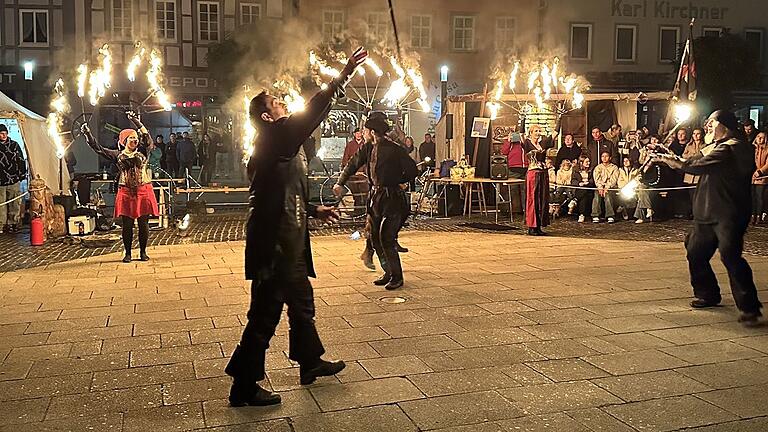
[278,258]
[388,166]
[721,212]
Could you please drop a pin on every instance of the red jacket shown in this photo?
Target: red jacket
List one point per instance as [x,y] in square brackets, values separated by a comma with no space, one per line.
[350,150]
[515,154]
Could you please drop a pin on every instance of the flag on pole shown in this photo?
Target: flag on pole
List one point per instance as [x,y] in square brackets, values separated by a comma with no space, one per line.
[685,86]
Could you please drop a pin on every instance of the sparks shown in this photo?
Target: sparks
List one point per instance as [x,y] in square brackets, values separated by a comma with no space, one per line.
[294,101]
[55,119]
[322,67]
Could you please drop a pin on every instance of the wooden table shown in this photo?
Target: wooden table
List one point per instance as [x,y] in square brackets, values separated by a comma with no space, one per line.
[470,185]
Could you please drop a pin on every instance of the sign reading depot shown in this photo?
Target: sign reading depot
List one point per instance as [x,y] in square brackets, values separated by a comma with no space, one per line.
[666,9]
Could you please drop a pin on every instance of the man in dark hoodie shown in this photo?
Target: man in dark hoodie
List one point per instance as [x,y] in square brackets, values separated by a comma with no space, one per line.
[186,154]
[278,257]
[721,211]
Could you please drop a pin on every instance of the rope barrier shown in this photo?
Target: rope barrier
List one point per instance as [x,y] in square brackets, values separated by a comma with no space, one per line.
[20,196]
[619,189]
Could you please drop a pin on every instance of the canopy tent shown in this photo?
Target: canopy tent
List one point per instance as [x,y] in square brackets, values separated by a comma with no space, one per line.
[31,132]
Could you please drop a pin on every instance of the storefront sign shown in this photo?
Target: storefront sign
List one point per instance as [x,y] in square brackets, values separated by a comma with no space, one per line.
[8,77]
[190,82]
[665,9]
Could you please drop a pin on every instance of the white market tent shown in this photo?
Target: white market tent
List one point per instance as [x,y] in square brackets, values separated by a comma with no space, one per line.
[30,131]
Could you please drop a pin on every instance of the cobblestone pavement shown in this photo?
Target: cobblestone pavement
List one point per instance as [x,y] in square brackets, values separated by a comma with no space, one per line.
[15,252]
[497,333]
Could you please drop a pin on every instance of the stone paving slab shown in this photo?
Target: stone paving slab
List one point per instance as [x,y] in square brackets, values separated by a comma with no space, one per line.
[480,343]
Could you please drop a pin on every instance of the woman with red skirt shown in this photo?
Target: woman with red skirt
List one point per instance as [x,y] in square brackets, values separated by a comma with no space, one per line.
[135,200]
[537,179]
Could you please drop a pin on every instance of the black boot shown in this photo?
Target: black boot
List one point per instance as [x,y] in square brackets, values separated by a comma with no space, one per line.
[309,373]
[144,256]
[127,258]
[702,304]
[383,280]
[251,394]
[750,319]
[401,249]
[395,283]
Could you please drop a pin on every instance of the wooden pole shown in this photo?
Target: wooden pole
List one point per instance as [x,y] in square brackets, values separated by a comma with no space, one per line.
[482,113]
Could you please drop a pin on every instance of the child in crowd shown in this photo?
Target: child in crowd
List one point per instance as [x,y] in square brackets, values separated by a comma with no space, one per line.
[565,194]
[606,177]
[582,178]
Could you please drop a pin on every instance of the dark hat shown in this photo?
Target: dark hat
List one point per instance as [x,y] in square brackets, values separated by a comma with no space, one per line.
[3,128]
[726,118]
[377,122]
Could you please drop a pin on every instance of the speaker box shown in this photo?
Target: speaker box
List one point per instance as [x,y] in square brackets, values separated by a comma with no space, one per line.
[499,167]
[449,126]
[455,203]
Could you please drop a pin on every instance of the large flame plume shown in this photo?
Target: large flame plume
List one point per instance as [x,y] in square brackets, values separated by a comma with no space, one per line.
[154,76]
[100,79]
[59,108]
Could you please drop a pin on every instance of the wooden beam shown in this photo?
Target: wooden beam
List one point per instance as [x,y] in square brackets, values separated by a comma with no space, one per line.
[482,114]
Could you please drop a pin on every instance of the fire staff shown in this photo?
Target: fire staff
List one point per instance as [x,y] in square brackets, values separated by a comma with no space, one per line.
[278,258]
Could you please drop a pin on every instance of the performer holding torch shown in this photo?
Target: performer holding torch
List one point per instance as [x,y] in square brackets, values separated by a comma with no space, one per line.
[135,200]
[721,212]
[278,259]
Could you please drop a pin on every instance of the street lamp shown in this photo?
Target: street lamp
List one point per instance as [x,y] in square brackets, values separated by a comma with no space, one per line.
[443,88]
[29,67]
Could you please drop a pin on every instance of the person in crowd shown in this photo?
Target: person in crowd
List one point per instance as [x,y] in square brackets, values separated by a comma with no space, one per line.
[154,158]
[70,160]
[582,178]
[563,193]
[679,142]
[278,256]
[537,179]
[694,146]
[206,157]
[679,199]
[387,166]
[160,143]
[13,169]
[427,150]
[632,147]
[135,201]
[551,171]
[172,156]
[760,179]
[649,177]
[352,147]
[186,155]
[627,173]
[516,161]
[721,215]
[600,144]
[570,150]
[411,149]
[614,134]
[749,130]
[222,155]
[606,176]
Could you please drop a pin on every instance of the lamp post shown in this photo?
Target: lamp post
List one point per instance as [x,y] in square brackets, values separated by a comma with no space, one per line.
[443,88]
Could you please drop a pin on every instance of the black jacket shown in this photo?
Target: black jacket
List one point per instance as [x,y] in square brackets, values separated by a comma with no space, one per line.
[567,153]
[393,165]
[595,148]
[276,232]
[723,194]
[13,167]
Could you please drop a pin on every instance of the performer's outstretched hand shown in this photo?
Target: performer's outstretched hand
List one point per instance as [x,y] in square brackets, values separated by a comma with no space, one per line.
[338,190]
[133,116]
[358,58]
[327,214]
[85,129]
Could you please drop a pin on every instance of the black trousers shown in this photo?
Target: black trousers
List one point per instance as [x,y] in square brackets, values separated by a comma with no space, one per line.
[386,216]
[292,288]
[701,243]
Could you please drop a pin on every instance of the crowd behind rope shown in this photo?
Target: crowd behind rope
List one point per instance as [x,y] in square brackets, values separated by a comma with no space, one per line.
[586,179]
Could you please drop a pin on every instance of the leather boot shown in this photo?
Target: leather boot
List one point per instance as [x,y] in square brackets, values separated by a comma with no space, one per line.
[242,394]
[309,373]
[383,280]
[401,249]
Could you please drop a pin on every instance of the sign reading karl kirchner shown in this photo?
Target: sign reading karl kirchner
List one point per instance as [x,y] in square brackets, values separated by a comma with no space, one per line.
[666,9]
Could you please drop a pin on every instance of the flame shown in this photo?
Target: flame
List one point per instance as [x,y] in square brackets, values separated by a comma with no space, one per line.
[55,119]
[424,105]
[546,76]
[578,99]
[418,82]
[249,132]
[499,90]
[154,75]
[294,101]
[532,77]
[555,64]
[99,80]
[322,67]
[539,97]
[397,91]
[135,62]
[82,79]
[373,66]
[494,108]
[513,76]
